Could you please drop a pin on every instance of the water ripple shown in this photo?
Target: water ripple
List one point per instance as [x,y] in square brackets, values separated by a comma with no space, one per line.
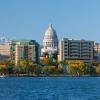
[50,88]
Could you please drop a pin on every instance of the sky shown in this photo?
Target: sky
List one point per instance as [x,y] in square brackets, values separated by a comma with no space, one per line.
[29,19]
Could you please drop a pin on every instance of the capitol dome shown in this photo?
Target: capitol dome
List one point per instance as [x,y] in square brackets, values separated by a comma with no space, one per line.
[50,33]
[50,41]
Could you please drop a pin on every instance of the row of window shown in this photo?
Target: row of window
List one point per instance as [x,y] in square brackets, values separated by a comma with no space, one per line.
[49,44]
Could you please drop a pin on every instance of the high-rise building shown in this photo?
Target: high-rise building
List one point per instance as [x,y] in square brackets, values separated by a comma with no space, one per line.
[96,51]
[25,50]
[70,49]
[50,41]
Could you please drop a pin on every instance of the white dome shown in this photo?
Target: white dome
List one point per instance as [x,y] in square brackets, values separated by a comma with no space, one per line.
[50,33]
[50,41]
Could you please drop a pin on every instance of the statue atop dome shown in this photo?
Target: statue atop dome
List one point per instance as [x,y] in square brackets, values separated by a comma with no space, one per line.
[50,25]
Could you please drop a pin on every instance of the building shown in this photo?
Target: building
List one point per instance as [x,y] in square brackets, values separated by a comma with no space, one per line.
[4,40]
[70,49]
[4,48]
[50,41]
[28,50]
[4,52]
[96,51]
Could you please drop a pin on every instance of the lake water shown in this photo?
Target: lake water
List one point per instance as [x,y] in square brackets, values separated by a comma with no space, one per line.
[50,88]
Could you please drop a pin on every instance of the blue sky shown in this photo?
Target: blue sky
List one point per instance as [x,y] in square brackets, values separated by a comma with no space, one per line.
[28,19]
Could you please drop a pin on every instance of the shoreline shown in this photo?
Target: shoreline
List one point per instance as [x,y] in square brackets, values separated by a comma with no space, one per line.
[26,75]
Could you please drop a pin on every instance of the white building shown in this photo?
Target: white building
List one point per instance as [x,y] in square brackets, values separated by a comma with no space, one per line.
[50,41]
[4,40]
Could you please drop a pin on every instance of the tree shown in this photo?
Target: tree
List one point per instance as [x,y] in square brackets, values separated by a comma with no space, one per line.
[90,69]
[98,69]
[76,67]
[63,64]
[23,66]
[47,62]
[37,70]
[52,70]
[3,70]
[10,69]
[10,63]
[60,70]
[10,66]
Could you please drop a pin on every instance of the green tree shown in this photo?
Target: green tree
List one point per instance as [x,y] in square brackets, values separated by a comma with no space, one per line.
[60,70]
[37,70]
[10,63]
[52,70]
[64,65]
[90,69]
[47,62]
[3,70]
[10,69]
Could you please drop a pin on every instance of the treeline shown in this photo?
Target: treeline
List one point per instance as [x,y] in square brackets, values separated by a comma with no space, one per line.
[49,67]
[29,68]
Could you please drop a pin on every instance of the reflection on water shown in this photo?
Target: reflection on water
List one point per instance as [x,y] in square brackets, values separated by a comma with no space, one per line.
[50,88]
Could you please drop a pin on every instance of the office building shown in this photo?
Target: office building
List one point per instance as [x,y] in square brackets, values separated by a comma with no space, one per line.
[28,50]
[70,49]
[96,51]
[4,52]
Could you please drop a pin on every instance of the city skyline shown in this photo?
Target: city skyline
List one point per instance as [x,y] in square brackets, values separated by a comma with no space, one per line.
[30,18]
